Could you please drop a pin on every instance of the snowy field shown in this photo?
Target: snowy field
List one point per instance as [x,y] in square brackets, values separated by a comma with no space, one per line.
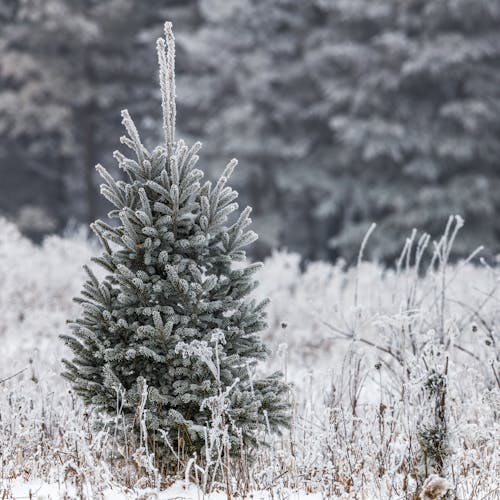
[366,350]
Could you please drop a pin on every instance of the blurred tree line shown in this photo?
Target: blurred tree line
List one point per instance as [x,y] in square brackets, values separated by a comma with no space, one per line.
[341,112]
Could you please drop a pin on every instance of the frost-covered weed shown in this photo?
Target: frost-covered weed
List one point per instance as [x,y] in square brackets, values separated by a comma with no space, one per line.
[378,360]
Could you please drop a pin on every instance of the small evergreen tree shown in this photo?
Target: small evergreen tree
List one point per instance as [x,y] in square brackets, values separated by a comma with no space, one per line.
[173,313]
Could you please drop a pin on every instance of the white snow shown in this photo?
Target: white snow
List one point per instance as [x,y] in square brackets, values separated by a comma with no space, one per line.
[39,490]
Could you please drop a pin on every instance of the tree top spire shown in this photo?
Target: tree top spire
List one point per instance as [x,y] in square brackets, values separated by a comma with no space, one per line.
[165,48]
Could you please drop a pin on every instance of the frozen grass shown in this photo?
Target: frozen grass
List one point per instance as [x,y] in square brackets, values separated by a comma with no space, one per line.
[394,374]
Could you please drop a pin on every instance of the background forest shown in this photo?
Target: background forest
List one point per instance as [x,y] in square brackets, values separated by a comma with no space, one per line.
[341,112]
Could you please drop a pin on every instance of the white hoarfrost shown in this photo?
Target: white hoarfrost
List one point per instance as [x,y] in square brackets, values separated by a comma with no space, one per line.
[394,375]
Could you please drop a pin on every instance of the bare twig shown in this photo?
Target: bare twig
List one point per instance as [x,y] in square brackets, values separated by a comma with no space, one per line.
[12,376]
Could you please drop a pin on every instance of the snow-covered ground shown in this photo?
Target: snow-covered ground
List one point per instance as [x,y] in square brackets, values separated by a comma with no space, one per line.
[357,345]
[180,490]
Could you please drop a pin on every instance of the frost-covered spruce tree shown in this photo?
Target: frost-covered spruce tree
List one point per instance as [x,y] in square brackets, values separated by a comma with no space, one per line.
[173,313]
